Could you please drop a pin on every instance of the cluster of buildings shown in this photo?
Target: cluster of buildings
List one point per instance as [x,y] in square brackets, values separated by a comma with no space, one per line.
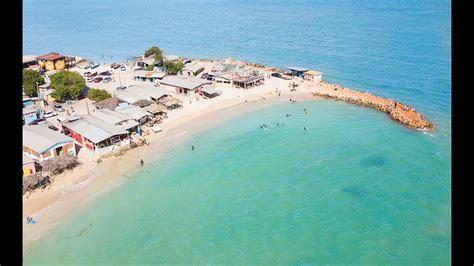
[116,122]
[50,61]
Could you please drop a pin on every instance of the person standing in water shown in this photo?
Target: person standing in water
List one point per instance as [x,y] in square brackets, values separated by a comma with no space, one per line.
[305,111]
[192,147]
[141,162]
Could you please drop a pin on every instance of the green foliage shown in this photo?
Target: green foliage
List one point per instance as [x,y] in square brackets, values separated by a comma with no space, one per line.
[149,68]
[155,50]
[173,68]
[98,95]
[30,77]
[67,85]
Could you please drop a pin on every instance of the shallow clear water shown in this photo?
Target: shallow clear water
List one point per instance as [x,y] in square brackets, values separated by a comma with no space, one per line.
[354,188]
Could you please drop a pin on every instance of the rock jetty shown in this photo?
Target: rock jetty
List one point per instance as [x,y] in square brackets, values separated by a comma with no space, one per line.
[399,112]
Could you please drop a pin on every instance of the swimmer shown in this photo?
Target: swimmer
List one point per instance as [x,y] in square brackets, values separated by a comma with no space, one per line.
[305,128]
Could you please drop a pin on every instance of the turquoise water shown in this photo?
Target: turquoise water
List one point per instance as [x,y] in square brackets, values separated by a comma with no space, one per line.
[354,188]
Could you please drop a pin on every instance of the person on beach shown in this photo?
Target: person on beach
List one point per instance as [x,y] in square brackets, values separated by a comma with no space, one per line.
[141,162]
[245,100]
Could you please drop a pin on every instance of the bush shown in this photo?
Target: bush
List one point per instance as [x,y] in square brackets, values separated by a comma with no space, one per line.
[173,68]
[30,77]
[67,85]
[156,51]
[98,95]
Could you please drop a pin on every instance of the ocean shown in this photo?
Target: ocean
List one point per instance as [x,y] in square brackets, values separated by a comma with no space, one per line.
[354,188]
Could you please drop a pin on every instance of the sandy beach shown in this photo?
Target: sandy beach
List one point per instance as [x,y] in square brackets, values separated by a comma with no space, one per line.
[71,190]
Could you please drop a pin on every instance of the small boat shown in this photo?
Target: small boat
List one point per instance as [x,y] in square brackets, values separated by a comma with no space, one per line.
[94,65]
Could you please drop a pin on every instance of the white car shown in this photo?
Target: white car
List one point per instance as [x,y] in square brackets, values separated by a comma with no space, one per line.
[50,114]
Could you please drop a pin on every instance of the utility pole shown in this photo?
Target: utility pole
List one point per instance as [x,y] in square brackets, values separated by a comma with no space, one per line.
[87,105]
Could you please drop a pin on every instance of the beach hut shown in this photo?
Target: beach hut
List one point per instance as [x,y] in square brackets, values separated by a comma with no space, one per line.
[29,166]
[192,70]
[184,85]
[29,60]
[209,92]
[52,61]
[110,103]
[95,134]
[313,75]
[118,119]
[297,71]
[43,143]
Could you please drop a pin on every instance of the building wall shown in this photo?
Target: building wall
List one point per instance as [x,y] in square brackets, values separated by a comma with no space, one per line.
[316,78]
[30,118]
[29,169]
[222,83]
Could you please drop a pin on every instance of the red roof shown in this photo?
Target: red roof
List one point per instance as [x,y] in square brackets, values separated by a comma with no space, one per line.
[50,56]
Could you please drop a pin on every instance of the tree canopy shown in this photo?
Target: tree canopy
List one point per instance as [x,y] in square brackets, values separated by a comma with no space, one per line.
[173,68]
[67,85]
[98,95]
[30,77]
[156,51]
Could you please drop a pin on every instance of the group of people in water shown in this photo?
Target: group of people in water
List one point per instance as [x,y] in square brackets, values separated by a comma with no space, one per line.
[264,126]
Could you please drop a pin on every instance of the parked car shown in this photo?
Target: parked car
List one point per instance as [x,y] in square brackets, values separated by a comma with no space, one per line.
[123,68]
[98,79]
[91,79]
[86,74]
[58,107]
[117,66]
[121,88]
[107,79]
[50,114]
[93,74]
[105,73]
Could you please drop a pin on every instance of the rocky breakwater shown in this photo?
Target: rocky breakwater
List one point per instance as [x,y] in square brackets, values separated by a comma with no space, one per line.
[399,112]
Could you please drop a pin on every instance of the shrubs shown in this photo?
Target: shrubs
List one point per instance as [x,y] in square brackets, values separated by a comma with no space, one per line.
[98,95]
[58,164]
[30,78]
[67,85]
[173,68]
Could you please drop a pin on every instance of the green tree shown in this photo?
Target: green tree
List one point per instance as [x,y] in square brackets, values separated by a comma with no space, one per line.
[30,78]
[173,68]
[149,68]
[155,50]
[67,85]
[98,95]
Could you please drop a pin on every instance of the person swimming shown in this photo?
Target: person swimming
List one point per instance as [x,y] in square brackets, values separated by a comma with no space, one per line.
[305,128]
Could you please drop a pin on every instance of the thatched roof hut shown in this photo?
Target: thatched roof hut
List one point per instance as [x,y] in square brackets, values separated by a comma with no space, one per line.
[109,103]
[155,109]
[142,103]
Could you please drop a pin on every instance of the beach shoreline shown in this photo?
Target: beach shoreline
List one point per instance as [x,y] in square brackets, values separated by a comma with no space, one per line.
[76,188]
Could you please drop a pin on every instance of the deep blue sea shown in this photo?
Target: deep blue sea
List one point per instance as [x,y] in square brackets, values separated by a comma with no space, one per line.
[356,188]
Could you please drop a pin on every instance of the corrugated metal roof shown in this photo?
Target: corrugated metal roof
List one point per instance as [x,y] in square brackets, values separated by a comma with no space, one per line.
[210,90]
[185,83]
[109,116]
[298,69]
[133,111]
[193,67]
[40,138]
[94,129]
[134,93]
